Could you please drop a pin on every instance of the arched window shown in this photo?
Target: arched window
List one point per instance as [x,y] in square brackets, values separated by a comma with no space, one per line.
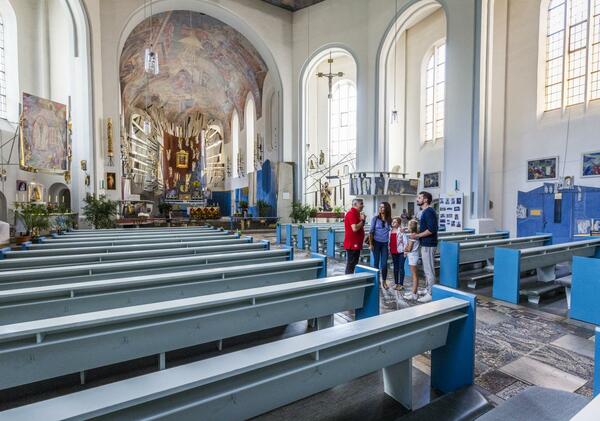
[343,127]
[572,73]
[434,80]
[235,143]
[250,116]
[2,71]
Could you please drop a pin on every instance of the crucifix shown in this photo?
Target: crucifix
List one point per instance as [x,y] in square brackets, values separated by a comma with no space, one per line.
[330,75]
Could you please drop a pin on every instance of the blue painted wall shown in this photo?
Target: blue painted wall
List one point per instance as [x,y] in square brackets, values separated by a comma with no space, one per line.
[579,202]
[223,199]
[266,187]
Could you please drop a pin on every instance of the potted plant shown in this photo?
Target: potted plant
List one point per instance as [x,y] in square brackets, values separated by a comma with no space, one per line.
[164,208]
[35,218]
[300,213]
[339,212]
[100,212]
[263,208]
[312,213]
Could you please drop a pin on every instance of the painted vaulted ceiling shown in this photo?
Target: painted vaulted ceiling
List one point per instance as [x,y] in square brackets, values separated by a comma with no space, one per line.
[205,66]
[293,5]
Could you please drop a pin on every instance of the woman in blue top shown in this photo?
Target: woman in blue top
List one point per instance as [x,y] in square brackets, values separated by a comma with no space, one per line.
[379,236]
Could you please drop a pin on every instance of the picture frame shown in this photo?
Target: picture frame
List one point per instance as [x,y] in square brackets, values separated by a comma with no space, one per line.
[542,169]
[111,181]
[590,164]
[431,180]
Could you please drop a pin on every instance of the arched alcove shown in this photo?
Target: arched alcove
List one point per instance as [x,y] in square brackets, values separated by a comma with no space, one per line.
[328,115]
[60,194]
[411,95]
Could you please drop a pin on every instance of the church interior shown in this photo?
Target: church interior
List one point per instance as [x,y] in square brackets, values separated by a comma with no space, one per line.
[300,209]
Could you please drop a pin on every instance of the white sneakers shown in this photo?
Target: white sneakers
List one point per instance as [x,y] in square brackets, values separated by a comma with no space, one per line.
[410,296]
[425,298]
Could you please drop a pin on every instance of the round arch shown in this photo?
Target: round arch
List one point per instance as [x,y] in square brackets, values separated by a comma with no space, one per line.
[407,15]
[307,69]
[61,194]
[216,11]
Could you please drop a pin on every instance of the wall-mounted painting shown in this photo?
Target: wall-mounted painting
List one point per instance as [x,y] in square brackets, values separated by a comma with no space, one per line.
[431,180]
[111,181]
[44,142]
[542,169]
[590,164]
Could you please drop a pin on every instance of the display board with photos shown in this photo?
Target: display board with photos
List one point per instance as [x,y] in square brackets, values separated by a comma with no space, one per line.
[451,212]
[365,184]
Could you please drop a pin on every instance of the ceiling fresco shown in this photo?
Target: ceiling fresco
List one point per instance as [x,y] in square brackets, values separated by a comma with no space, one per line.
[205,66]
[293,5]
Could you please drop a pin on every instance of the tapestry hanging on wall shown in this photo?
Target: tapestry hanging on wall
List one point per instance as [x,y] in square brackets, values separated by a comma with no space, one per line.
[44,144]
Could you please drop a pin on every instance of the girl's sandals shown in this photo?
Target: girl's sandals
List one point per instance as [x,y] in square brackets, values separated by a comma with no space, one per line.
[399,287]
[384,285]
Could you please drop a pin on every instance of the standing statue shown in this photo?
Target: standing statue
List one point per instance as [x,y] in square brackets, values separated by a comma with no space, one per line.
[326,197]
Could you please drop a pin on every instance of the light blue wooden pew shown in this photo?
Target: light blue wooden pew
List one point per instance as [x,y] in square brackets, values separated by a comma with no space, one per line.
[54,275]
[52,347]
[247,383]
[335,238]
[143,237]
[510,263]
[453,254]
[95,243]
[61,299]
[182,246]
[126,232]
[135,255]
[288,233]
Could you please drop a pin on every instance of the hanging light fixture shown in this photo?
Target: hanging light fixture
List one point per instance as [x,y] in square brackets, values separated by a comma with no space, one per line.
[394,117]
[150,55]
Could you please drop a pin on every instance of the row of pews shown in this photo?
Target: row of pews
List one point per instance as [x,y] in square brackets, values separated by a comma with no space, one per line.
[92,299]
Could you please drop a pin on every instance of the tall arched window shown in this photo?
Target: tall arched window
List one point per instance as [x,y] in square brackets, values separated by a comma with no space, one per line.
[2,71]
[235,143]
[572,73]
[250,116]
[343,127]
[434,80]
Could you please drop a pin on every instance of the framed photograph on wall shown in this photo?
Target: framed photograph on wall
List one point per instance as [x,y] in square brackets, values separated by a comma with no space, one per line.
[590,164]
[542,169]
[431,180]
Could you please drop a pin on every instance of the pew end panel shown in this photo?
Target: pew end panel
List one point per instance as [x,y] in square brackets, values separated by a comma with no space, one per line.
[453,365]
[26,245]
[449,264]
[585,290]
[331,242]
[290,249]
[507,274]
[3,252]
[300,236]
[249,238]
[371,307]
[322,272]
[267,244]
[278,233]
[314,239]
[288,235]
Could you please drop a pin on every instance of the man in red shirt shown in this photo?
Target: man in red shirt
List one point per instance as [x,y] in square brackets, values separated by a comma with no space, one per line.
[354,234]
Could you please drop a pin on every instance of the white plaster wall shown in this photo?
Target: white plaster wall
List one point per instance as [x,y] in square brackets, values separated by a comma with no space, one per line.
[531,135]
[360,26]
[46,68]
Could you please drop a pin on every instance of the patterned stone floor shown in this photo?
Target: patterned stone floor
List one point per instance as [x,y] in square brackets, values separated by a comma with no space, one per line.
[516,347]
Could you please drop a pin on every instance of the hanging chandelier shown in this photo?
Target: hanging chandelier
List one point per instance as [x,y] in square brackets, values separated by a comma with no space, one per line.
[150,55]
[394,116]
